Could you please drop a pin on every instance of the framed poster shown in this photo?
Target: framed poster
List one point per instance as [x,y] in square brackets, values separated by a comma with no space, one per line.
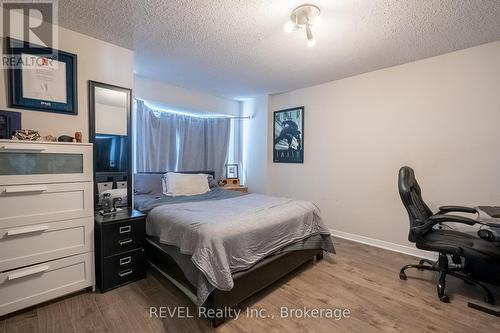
[288,134]
[43,79]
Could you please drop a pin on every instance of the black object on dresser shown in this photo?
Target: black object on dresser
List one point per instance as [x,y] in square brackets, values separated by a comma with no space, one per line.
[119,248]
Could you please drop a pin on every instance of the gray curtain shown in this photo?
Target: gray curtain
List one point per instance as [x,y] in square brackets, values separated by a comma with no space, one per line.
[176,142]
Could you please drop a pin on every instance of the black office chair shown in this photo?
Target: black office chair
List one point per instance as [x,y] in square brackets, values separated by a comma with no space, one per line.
[481,258]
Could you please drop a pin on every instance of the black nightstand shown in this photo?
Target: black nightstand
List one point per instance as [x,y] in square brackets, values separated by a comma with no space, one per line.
[119,248]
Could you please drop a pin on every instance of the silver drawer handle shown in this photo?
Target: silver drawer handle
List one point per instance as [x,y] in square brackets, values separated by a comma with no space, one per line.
[24,189]
[22,147]
[27,272]
[125,273]
[125,241]
[125,229]
[125,261]
[27,230]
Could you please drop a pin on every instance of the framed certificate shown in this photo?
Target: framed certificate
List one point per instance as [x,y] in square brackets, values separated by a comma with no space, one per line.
[42,79]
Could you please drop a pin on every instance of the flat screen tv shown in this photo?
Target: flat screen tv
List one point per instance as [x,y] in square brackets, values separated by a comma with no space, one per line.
[111,153]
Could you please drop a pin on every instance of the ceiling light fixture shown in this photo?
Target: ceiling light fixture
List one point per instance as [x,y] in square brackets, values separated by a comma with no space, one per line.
[304,17]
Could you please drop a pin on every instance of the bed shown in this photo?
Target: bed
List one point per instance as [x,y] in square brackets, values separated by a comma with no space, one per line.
[216,247]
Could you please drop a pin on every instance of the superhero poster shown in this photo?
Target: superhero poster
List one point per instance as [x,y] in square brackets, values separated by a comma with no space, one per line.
[288,133]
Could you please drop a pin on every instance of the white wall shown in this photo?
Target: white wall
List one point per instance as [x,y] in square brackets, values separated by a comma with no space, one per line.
[440,115]
[174,97]
[97,60]
[254,145]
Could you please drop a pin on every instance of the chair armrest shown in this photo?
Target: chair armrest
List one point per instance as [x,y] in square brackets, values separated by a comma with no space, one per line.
[438,218]
[461,209]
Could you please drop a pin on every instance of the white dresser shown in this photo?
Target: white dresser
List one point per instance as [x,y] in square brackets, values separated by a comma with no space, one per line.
[46,221]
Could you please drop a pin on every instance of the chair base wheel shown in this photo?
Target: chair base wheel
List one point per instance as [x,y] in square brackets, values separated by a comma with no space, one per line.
[444,299]
[442,267]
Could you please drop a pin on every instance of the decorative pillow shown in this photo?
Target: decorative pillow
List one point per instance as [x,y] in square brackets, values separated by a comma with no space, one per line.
[186,184]
[145,183]
[212,182]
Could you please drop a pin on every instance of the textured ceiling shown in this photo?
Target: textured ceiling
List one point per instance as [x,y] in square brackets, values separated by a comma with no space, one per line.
[238,48]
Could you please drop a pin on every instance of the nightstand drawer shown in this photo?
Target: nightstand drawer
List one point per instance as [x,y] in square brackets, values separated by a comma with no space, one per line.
[122,236]
[123,268]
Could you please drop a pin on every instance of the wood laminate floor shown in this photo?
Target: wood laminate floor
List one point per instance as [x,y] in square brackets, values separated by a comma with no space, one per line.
[360,278]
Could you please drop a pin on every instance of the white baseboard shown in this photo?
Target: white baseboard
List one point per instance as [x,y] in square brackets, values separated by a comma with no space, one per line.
[385,245]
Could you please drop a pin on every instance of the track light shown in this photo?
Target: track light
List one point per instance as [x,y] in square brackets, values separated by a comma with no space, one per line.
[310,38]
[304,17]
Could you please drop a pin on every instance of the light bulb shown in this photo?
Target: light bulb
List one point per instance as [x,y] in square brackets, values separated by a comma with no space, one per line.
[317,21]
[288,27]
[310,38]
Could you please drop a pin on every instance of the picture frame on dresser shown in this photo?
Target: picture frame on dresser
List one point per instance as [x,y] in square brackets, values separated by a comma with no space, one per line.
[54,90]
[10,122]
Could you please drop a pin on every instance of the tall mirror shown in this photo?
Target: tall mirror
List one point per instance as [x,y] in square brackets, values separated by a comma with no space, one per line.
[109,131]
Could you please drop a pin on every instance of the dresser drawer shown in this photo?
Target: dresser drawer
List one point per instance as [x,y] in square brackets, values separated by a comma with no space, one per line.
[44,162]
[38,283]
[27,245]
[122,236]
[123,268]
[43,203]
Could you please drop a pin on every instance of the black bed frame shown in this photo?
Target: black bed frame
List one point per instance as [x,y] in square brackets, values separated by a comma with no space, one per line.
[246,283]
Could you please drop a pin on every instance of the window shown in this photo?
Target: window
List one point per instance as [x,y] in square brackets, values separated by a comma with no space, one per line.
[172,141]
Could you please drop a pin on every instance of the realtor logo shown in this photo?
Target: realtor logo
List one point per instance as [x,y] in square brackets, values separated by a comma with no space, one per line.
[33,22]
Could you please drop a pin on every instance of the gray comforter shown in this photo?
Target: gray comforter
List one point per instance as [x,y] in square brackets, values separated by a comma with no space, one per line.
[211,231]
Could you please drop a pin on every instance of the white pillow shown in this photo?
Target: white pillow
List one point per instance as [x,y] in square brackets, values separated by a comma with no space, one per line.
[186,184]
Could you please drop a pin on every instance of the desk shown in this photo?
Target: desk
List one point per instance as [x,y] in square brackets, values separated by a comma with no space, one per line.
[485,216]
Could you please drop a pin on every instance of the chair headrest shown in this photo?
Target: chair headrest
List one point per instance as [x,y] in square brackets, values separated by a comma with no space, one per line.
[407,180]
